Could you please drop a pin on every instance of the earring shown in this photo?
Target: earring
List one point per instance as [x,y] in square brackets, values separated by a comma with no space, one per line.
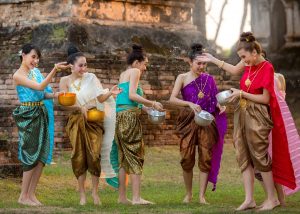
[37,65]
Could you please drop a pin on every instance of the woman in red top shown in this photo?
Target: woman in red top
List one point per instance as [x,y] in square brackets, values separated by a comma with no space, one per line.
[255,116]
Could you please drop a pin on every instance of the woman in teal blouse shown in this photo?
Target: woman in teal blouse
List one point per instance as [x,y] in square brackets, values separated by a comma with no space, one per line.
[129,136]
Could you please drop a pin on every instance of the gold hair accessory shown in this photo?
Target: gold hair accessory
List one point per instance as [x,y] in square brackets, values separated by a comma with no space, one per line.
[247,39]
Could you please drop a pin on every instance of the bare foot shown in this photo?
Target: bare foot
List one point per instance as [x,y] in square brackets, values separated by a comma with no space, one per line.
[124,201]
[96,199]
[82,199]
[282,202]
[202,200]
[269,205]
[35,200]
[246,205]
[26,201]
[263,204]
[187,199]
[141,202]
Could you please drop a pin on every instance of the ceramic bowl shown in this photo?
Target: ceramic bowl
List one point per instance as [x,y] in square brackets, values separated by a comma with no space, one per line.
[67,99]
[94,115]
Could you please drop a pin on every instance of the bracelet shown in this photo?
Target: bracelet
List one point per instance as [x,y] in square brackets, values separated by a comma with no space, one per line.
[153,103]
[222,63]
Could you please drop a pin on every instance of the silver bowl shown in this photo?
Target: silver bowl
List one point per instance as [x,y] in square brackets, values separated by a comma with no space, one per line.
[222,97]
[156,117]
[204,118]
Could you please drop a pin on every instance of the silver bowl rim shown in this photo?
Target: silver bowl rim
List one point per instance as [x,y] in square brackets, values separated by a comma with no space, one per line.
[207,113]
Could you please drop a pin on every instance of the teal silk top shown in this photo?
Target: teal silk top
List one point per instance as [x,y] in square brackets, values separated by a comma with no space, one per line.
[123,97]
[26,94]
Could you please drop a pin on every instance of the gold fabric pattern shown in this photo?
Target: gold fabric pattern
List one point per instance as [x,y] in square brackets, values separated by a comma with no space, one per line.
[85,138]
[252,126]
[193,135]
[129,138]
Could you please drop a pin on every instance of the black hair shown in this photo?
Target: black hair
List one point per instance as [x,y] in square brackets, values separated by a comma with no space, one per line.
[249,43]
[27,48]
[73,54]
[137,53]
[196,50]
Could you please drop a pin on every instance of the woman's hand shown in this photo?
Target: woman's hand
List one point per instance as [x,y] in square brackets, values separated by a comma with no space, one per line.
[158,106]
[84,110]
[196,108]
[115,90]
[205,57]
[234,96]
[62,66]
[221,108]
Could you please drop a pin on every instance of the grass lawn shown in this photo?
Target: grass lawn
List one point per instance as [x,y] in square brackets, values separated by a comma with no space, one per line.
[162,183]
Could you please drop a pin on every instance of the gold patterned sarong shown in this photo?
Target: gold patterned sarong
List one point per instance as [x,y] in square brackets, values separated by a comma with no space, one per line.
[85,138]
[193,135]
[129,138]
[252,126]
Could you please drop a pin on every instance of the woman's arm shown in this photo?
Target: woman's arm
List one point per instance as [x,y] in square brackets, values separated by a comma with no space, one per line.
[232,69]
[263,98]
[133,85]
[24,81]
[175,92]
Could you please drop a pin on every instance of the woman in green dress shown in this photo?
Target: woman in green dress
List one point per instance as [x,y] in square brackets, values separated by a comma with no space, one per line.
[31,118]
[129,128]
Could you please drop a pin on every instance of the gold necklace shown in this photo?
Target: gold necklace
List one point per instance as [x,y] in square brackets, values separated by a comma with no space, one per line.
[248,81]
[243,102]
[77,87]
[201,94]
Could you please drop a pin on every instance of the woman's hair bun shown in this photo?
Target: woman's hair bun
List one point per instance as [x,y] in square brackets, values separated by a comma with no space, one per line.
[137,48]
[247,37]
[72,50]
[196,47]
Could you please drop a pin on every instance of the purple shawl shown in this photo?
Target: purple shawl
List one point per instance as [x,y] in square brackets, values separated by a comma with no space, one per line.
[208,103]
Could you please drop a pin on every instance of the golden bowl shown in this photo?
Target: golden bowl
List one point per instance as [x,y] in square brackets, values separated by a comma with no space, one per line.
[67,99]
[95,115]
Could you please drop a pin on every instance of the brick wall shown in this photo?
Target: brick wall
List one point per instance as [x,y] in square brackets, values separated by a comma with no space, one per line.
[164,28]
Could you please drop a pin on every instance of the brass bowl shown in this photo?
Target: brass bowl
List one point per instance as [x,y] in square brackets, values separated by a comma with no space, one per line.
[94,115]
[204,118]
[156,117]
[67,99]
[222,97]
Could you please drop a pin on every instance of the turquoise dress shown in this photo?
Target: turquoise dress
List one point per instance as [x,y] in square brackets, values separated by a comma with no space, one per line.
[33,126]
[123,102]
[49,103]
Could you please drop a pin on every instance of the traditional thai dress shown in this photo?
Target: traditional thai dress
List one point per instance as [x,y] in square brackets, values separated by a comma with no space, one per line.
[253,123]
[293,138]
[33,125]
[210,139]
[49,103]
[129,136]
[89,146]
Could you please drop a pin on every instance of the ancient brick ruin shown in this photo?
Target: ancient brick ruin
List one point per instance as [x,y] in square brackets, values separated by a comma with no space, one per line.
[104,30]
